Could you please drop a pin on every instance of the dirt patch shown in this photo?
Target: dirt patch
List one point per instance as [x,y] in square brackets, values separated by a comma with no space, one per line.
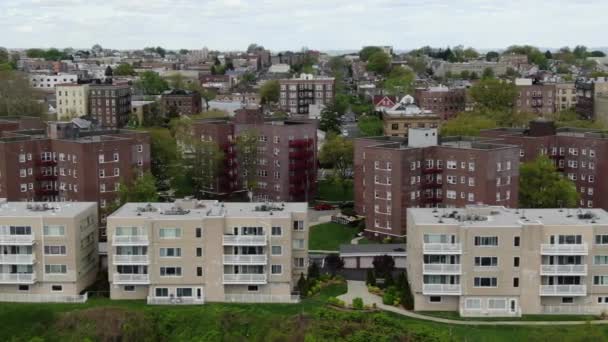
[105,324]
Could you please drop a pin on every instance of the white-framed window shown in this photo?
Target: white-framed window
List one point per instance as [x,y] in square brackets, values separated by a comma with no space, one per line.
[298,244]
[451,164]
[485,282]
[276,269]
[600,259]
[54,230]
[276,250]
[23,187]
[55,250]
[471,197]
[490,241]
[55,269]
[170,233]
[170,252]
[486,261]
[299,262]
[298,225]
[277,231]
[56,288]
[170,271]
[451,194]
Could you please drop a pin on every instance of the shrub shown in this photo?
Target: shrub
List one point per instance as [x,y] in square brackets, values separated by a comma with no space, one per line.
[374,306]
[339,278]
[358,303]
[371,278]
[388,298]
[335,301]
[374,289]
[604,315]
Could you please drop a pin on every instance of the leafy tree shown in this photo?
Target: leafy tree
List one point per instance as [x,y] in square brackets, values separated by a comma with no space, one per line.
[4,56]
[383,266]
[204,163]
[470,53]
[163,157]
[597,53]
[494,94]
[379,62]
[533,53]
[17,97]
[176,81]
[35,53]
[580,51]
[109,72]
[150,83]
[334,263]
[370,278]
[407,299]
[548,55]
[465,74]
[492,56]
[269,92]
[143,189]
[488,73]
[417,64]
[302,285]
[330,120]
[370,125]
[337,152]
[467,124]
[280,115]
[366,53]
[511,73]
[341,103]
[124,69]
[247,155]
[183,51]
[254,47]
[542,186]
[400,81]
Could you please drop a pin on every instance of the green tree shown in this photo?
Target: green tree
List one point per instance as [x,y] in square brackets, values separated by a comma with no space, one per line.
[384,265]
[597,53]
[370,278]
[142,189]
[488,73]
[35,53]
[4,56]
[379,62]
[124,69]
[150,83]
[330,120]
[368,51]
[204,164]
[417,64]
[400,81]
[269,92]
[548,55]
[17,97]
[247,155]
[492,56]
[337,153]
[163,157]
[511,73]
[407,299]
[533,53]
[334,263]
[580,51]
[494,94]
[467,124]
[465,74]
[176,81]
[470,53]
[542,186]
[370,125]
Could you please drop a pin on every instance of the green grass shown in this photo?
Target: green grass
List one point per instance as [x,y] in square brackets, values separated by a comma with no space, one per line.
[329,236]
[456,316]
[330,191]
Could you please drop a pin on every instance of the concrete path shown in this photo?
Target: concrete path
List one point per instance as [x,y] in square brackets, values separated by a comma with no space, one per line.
[359,289]
[355,241]
[317,217]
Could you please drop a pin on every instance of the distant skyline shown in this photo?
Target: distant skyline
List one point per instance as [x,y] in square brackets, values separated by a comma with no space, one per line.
[290,25]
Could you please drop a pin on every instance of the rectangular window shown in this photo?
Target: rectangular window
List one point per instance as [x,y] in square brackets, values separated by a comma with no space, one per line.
[567,300]
[276,269]
[298,225]
[54,250]
[515,282]
[600,260]
[129,288]
[170,271]
[199,271]
[516,241]
[298,243]
[162,292]
[199,232]
[277,250]
[199,252]
[601,239]
[515,261]
[56,288]
[485,282]
[486,241]
[252,288]
[486,261]
[60,269]
[435,299]
[298,262]
[170,233]
[170,252]
[277,231]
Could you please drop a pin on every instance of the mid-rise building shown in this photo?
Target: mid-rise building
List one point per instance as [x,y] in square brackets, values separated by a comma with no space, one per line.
[565,96]
[192,252]
[181,102]
[495,261]
[300,92]
[404,115]
[591,98]
[48,251]
[110,105]
[393,174]
[535,98]
[477,67]
[441,100]
[72,101]
[48,82]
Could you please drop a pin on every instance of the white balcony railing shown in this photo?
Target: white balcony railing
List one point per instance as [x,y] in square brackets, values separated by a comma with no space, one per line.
[245,278]
[260,298]
[571,310]
[17,278]
[441,269]
[42,298]
[124,278]
[130,240]
[175,301]
[442,248]
[131,259]
[563,249]
[563,290]
[17,239]
[245,259]
[17,259]
[554,270]
[442,289]
[244,240]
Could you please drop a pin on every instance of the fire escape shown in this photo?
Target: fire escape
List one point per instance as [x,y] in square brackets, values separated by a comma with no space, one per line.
[302,170]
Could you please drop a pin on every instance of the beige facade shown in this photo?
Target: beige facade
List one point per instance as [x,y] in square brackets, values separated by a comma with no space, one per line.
[565,96]
[72,101]
[494,261]
[192,252]
[48,252]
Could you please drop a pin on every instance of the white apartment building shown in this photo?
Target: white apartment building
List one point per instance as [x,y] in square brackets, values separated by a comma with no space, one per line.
[49,81]
[48,252]
[495,261]
[72,100]
[192,252]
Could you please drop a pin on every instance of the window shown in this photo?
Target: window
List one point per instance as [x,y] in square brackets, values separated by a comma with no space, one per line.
[276,269]
[485,282]
[601,239]
[170,252]
[54,230]
[298,243]
[435,299]
[162,292]
[472,303]
[199,252]
[56,288]
[61,269]
[170,271]
[602,300]
[600,260]
[140,148]
[451,164]
[486,241]
[567,300]
[199,271]
[601,280]
[54,250]
[486,261]
[129,288]
[199,232]
[115,156]
[298,262]
[515,282]
[252,288]
[277,250]
[515,261]
[516,241]
[116,172]
[298,225]
[170,233]
[277,231]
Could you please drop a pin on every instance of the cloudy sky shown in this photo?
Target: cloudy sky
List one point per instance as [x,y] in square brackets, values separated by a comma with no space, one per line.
[292,24]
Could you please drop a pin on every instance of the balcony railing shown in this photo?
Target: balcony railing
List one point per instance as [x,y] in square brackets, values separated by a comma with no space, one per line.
[175,301]
[260,298]
[17,278]
[17,239]
[571,310]
[130,240]
[245,278]
[244,240]
[124,278]
[442,289]
[245,259]
[561,290]
[17,259]
[564,249]
[42,298]
[131,259]
[441,269]
[554,270]
[442,248]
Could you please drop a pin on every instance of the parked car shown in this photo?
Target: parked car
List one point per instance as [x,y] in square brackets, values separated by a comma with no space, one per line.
[324,206]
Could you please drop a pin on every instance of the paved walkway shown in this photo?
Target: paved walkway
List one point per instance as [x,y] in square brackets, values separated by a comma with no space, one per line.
[355,241]
[359,289]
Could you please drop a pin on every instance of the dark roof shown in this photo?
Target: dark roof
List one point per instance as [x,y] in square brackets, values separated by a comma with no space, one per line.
[379,249]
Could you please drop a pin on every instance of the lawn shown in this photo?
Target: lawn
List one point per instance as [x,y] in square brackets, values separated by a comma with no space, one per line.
[456,316]
[329,236]
[330,191]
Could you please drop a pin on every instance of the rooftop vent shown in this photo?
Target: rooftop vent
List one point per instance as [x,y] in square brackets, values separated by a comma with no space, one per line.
[268,207]
[148,208]
[462,218]
[40,207]
[586,216]
[175,211]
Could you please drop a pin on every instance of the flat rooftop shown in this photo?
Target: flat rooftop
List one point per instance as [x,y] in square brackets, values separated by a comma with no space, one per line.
[499,216]
[373,249]
[193,209]
[44,209]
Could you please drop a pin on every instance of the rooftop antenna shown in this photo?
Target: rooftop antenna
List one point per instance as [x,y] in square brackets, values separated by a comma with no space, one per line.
[523,214]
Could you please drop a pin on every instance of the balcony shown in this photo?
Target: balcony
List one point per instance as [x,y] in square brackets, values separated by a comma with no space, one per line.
[431,185]
[17,240]
[47,162]
[175,301]
[47,192]
[252,278]
[17,259]
[566,270]
[46,177]
[42,298]
[17,278]
[442,248]
[130,240]
[300,143]
[244,240]
[260,298]
[441,269]
[131,259]
[432,170]
[441,289]
[564,249]
[245,259]
[563,290]
[131,279]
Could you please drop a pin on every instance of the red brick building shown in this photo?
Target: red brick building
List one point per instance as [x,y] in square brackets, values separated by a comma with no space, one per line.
[535,97]
[110,105]
[443,101]
[181,102]
[393,174]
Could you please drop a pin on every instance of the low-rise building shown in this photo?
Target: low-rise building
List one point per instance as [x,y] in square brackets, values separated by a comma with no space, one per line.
[48,82]
[72,101]
[110,105]
[565,96]
[495,261]
[405,115]
[181,102]
[441,100]
[587,92]
[48,251]
[192,252]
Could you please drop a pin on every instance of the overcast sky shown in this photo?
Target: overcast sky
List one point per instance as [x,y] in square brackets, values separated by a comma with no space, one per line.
[291,24]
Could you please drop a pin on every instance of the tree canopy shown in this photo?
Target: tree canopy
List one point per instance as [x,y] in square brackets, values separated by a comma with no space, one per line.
[269,92]
[17,97]
[368,51]
[150,83]
[142,189]
[399,82]
[494,94]
[379,62]
[51,54]
[535,56]
[370,125]
[467,124]
[124,69]
[542,186]
[337,153]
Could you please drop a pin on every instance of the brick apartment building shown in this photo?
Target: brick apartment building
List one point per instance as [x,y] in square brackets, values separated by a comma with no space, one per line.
[591,98]
[535,97]
[300,92]
[392,174]
[110,105]
[181,102]
[404,115]
[576,153]
[443,101]
[287,155]
[70,162]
